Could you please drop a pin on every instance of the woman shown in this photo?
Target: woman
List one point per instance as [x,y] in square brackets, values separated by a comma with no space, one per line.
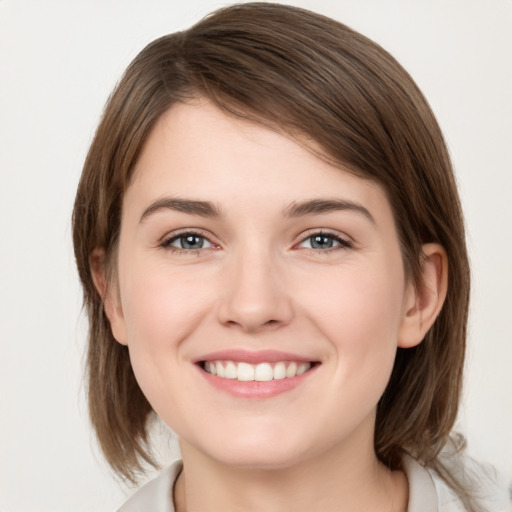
[272,250]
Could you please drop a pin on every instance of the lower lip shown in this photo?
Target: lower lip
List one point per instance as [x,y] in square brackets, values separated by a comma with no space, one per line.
[256,389]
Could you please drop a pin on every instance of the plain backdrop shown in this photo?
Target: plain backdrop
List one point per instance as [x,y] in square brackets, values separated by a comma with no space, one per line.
[58,63]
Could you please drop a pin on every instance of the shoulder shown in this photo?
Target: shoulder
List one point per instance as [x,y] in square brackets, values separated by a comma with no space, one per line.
[156,495]
[428,491]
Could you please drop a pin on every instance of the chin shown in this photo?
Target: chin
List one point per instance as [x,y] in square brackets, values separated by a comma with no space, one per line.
[260,452]
[267,459]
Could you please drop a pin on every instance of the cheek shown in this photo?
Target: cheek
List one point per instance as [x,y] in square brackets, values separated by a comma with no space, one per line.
[359,311]
[353,302]
[160,306]
[161,310]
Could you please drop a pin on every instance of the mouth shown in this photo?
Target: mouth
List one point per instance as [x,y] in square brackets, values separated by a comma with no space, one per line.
[261,372]
[255,374]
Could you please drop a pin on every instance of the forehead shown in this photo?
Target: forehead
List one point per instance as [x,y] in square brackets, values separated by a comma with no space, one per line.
[197,151]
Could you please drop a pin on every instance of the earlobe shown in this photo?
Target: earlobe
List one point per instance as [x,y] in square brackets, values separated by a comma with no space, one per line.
[424,303]
[109,295]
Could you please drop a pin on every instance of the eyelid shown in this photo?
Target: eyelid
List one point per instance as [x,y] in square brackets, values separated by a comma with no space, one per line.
[166,240]
[345,241]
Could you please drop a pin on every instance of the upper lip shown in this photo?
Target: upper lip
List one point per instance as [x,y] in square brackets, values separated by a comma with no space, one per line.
[253,357]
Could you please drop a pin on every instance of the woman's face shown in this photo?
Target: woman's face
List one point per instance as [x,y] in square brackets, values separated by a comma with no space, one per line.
[243,255]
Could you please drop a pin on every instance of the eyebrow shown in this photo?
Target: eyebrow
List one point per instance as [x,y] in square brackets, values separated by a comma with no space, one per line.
[193,207]
[296,209]
[319,206]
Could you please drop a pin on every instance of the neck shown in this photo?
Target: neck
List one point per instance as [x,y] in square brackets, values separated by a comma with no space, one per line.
[344,478]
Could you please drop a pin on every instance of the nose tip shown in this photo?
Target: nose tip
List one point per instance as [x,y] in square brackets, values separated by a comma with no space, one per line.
[253,320]
[255,300]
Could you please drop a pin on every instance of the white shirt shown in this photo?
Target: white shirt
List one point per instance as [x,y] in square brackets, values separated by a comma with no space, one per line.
[427,493]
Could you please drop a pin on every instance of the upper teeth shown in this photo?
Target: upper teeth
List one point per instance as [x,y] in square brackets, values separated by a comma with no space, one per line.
[259,372]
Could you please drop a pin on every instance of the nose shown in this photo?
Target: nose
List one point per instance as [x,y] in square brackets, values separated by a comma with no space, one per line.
[255,297]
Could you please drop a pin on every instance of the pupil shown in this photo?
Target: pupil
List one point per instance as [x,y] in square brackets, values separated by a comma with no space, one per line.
[191,242]
[321,242]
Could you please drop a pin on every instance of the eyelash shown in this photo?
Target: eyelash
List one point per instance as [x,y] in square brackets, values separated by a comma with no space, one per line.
[166,244]
[343,242]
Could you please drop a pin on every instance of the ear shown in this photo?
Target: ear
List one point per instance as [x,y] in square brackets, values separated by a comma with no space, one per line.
[423,304]
[109,294]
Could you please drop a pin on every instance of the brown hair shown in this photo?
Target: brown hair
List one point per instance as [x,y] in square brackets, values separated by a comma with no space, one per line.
[306,74]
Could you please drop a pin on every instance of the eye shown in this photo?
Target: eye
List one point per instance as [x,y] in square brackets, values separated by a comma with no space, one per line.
[324,242]
[187,242]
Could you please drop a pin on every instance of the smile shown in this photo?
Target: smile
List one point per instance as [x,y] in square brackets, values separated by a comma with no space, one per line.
[262,372]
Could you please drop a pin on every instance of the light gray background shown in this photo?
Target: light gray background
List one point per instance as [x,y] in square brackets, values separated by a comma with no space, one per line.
[58,63]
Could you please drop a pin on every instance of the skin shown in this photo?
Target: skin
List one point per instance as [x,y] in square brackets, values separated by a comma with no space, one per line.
[259,283]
